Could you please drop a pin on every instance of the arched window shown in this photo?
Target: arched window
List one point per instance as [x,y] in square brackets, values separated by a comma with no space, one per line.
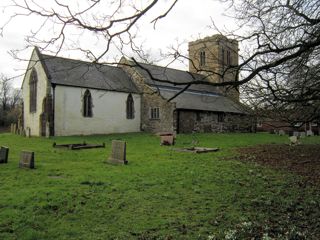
[202,58]
[33,91]
[87,104]
[130,107]
[222,56]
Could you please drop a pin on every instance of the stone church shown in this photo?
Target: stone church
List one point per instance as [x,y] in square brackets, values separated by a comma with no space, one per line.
[71,97]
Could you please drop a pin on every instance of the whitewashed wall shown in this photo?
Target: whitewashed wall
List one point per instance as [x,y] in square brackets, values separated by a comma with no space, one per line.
[109,112]
[32,120]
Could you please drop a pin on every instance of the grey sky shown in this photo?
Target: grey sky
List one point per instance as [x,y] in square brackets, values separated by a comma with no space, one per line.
[187,21]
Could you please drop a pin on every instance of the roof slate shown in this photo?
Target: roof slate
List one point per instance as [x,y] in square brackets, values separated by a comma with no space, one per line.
[173,75]
[193,100]
[78,73]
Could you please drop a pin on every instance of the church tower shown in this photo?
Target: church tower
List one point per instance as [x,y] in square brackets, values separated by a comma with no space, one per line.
[216,54]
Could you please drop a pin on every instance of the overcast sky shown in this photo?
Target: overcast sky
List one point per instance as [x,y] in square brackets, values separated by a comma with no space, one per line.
[189,20]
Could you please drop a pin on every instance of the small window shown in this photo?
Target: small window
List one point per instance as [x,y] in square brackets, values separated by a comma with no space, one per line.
[87,104]
[202,58]
[33,81]
[130,107]
[155,113]
[221,117]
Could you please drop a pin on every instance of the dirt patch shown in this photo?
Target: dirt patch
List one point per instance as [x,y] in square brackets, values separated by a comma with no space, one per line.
[301,159]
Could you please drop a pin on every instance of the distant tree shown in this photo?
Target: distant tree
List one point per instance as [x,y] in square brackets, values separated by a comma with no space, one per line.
[10,99]
[278,38]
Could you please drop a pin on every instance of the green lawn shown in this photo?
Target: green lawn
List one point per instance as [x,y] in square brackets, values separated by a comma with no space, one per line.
[160,194]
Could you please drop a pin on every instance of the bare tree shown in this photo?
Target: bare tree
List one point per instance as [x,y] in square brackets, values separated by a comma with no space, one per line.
[278,36]
[9,100]
[5,91]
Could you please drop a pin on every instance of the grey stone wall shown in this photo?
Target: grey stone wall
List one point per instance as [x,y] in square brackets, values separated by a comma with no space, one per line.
[151,99]
[202,121]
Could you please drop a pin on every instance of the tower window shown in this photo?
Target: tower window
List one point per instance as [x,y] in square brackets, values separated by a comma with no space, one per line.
[87,104]
[228,58]
[33,91]
[222,56]
[130,107]
[202,58]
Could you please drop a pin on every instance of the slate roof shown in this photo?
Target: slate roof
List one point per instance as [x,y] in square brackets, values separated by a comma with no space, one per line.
[68,72]
[173,75]
[196,97]
[195,100]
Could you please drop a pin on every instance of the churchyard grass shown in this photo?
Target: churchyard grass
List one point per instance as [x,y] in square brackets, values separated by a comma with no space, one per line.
[160,194]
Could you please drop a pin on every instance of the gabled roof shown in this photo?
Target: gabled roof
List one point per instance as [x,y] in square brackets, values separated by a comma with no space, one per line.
[197,100]
[69,72]
[196,97]
[173,75]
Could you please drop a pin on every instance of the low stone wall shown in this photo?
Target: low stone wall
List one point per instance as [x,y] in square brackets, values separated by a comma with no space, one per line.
[201,121]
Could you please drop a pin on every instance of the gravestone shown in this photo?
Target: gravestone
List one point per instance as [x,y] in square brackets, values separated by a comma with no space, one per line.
[4,153]
[296,134]
[26,160]
[118,153]
[28,132]
[302,134]
[293,140]
[309,133]
[15,128]
[281,132]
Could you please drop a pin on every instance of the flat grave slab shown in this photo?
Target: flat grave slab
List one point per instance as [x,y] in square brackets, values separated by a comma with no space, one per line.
[78,146]
[197,149]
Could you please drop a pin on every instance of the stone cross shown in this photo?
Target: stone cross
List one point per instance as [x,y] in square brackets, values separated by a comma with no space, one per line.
[4,153]
[26,160]
[118,154]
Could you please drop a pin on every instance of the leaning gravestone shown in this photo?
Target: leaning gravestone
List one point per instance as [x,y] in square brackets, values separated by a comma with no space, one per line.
[281,132]
[118,154]
[26,160]
[4,153]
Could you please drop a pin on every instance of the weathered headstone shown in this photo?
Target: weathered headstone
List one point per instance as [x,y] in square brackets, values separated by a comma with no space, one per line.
[118,153]
[28,132]
[4,153]
[281,132]
[309,133]
[302,134]
[293,140]
[26,160]
[15,128]
[296,134]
